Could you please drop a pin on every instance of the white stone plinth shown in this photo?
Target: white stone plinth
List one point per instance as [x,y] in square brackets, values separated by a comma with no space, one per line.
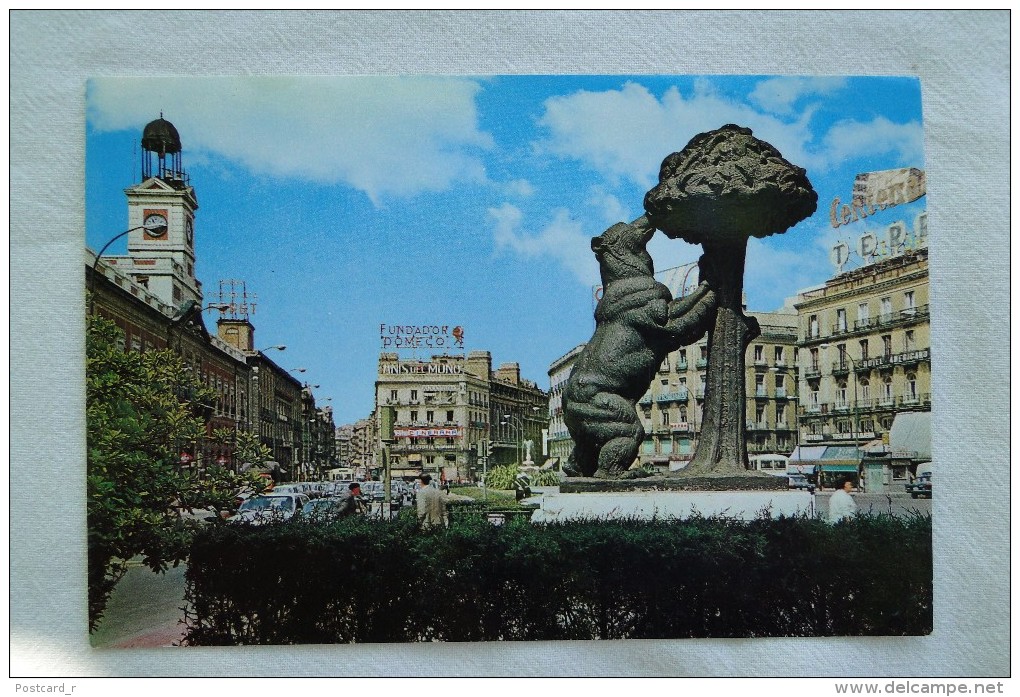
[742,505]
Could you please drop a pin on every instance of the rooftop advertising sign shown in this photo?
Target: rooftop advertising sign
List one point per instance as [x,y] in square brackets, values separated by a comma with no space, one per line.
[421,336]
[877,191]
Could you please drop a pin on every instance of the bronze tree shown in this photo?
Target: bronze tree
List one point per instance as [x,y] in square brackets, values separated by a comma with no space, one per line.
[723,187]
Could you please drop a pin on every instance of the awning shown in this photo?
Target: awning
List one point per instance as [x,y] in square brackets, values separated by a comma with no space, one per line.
[910,436]
[808,452]
[827,467]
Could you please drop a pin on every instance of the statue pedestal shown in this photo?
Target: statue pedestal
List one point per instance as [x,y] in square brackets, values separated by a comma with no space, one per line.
[560,504]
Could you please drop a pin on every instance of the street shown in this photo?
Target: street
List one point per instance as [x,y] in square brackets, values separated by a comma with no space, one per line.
[144,610]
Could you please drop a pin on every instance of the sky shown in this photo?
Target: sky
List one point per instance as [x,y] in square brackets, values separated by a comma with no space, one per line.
[350,203]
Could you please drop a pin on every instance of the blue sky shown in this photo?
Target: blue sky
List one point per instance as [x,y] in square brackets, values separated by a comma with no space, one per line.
[346,203]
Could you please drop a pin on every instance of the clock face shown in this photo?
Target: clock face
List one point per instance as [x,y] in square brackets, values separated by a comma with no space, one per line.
[189,230]
[155,224]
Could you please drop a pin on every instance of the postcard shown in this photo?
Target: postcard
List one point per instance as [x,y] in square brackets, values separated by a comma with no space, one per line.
[513,357]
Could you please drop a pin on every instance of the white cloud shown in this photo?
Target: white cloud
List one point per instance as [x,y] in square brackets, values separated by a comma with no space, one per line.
[519,187]
[626,133]
[877,137]
[779,94]
[386,136]
[563,239]
[612,211]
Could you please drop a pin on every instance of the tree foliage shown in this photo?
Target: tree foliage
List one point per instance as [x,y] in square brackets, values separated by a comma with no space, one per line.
[142,410]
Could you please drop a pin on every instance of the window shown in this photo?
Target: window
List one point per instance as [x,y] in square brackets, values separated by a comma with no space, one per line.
[664,368]
[864,349]
[779,355]
[781,385]
[414,415]
[911,387]
[886,309]
[813,398]
[862,314]
[841,394]
[887,346]
[865,390]
[887,388]
[759,415]
[414,395]
[814,359]
[813,326]
[908,340]
[449,416]
[840,320]
[781,415]
[704,353]
[683,414]
[908,300]
[759,354]
[841,350]
[430,459]
[664,414]
[759,385]
[430,416]
[393,395]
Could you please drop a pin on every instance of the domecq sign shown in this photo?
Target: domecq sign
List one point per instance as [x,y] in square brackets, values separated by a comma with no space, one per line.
[416,336]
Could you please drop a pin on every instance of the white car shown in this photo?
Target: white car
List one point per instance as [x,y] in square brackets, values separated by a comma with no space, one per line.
[270,508]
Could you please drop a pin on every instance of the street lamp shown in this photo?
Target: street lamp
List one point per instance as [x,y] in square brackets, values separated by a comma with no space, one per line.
[296,370]
[278,347]
[855,425]
[155,230]
[515,423]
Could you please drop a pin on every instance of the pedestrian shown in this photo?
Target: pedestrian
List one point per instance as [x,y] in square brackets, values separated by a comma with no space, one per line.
[431,503]
[350,503]
[841,504]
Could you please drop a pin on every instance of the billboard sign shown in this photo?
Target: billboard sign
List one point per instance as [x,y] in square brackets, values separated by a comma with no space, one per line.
[421,336]
[877,191]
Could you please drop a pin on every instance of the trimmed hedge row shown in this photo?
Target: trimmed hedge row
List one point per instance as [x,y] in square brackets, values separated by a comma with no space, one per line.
[360,580]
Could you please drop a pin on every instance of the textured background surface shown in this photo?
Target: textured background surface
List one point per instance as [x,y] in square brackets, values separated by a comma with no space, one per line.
[962,60]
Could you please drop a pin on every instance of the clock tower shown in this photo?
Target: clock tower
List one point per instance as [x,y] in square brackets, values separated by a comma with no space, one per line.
[162,260]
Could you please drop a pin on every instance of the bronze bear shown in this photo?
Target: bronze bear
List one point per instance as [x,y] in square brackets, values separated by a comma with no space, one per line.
[637,323]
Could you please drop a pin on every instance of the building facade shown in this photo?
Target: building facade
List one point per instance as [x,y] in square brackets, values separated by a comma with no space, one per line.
[671,411]
[154,297]
[560,444]
[865,343]
[448,410]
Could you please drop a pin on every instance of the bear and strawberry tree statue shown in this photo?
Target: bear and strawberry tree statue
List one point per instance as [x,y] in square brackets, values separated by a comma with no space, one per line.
[722,188]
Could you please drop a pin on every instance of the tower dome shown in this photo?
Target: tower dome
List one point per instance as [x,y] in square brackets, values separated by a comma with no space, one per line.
[161,153]
[161,137]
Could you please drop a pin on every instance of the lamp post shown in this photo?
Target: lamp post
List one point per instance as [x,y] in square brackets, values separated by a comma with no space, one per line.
[156,231]
[855,425]
[512,422]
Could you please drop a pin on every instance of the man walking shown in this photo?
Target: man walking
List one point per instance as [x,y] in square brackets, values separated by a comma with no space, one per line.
[841,505]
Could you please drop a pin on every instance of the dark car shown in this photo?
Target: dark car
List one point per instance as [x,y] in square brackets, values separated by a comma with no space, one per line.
[799,481]
[920,487]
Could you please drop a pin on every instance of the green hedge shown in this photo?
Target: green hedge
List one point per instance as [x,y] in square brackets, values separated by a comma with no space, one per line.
[370,581]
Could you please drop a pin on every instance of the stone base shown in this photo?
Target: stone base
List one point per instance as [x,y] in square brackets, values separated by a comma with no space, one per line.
[751,481]
[670,504]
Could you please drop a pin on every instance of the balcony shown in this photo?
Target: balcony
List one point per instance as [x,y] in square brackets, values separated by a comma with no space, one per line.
[701,363]
[760,393]
[840,368]
[917,401]
[757,426]
[781,393]
[681,366]
[838,329]
[813,371]
[678,396]
[646,400]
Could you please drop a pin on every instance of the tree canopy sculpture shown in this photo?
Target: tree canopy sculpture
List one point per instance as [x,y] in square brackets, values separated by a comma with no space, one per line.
[723,187]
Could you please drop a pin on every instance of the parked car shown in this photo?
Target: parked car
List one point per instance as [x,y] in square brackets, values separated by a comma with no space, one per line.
[920,486]
[269,508]
[799,481]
